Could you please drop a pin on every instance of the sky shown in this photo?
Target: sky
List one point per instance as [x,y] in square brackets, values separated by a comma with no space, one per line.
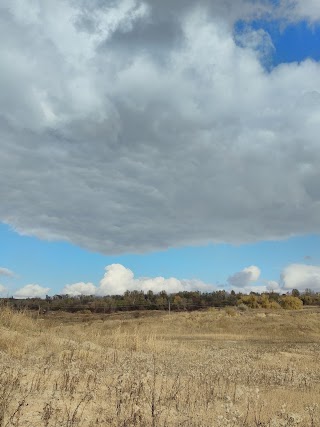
[159,145]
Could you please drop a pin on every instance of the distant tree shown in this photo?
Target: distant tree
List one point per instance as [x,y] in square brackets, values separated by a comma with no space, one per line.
[309,292]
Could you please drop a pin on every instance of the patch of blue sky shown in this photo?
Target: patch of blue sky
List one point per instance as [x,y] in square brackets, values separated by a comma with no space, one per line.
[293,42]
[55,264]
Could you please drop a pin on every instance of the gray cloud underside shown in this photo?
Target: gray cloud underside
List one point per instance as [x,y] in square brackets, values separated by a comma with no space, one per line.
[129,126]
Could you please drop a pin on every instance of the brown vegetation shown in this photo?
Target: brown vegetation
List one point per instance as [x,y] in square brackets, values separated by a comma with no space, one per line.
[181,301]
[217,368]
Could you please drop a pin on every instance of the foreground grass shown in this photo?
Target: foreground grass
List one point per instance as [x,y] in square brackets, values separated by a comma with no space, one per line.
[215,368]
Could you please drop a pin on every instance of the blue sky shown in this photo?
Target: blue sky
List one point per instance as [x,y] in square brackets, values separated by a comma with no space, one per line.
[55,264]
[293,42]
[198,163]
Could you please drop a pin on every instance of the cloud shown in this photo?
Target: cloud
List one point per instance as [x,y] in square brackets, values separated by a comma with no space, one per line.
[257,40]
[3,289]
[6,272]
[301,277]
[244,278]
[273,286]
[80,288]
[118,279]
[249,280]
[135,126]
[31,291]
[297,10]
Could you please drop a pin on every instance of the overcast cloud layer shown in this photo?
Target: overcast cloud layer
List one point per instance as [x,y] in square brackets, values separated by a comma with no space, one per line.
[132,126]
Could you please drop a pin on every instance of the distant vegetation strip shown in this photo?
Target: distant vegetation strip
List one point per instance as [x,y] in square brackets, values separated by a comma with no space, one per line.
[182,301]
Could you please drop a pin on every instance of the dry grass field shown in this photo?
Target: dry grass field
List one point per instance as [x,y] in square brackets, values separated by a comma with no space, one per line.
[213,368]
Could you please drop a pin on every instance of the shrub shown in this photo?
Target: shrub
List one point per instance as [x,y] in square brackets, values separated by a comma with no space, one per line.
[230,311]
[274,305]
[291,303]
[249,300]
[264,301]
[242,307]
[86,311]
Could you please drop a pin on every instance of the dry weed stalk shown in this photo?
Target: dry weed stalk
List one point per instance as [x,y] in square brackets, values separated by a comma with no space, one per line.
[216,368]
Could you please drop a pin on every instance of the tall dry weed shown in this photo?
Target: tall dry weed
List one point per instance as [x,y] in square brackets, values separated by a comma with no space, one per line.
[186,369]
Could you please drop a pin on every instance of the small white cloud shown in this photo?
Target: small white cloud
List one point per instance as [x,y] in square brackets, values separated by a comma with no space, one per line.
[244,278]
[6,272]
[80,288]
[265,286]
[3,289]
[260,289]
[273,286]
[31,291]
[119,279]
[301,277]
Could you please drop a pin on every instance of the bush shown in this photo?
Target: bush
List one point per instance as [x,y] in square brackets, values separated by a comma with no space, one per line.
[291,303]
[274,305]
[249,300]
[230,311]
[264,301]
[242,307]
[86,311]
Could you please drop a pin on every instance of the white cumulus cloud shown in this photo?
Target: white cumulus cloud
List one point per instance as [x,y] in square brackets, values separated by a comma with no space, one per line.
[273,286]
[31,291]
[244,278]
[118,279]
[301,277]
[80,288]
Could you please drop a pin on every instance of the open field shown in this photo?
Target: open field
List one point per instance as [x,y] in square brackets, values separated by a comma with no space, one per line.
[214,368]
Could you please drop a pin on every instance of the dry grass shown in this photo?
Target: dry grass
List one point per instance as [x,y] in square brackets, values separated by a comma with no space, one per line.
[214,368]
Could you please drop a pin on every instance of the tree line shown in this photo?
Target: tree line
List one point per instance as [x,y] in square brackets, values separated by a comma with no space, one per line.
[180,301]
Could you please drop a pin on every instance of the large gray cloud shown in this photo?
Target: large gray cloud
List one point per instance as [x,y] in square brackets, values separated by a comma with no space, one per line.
[129,126]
